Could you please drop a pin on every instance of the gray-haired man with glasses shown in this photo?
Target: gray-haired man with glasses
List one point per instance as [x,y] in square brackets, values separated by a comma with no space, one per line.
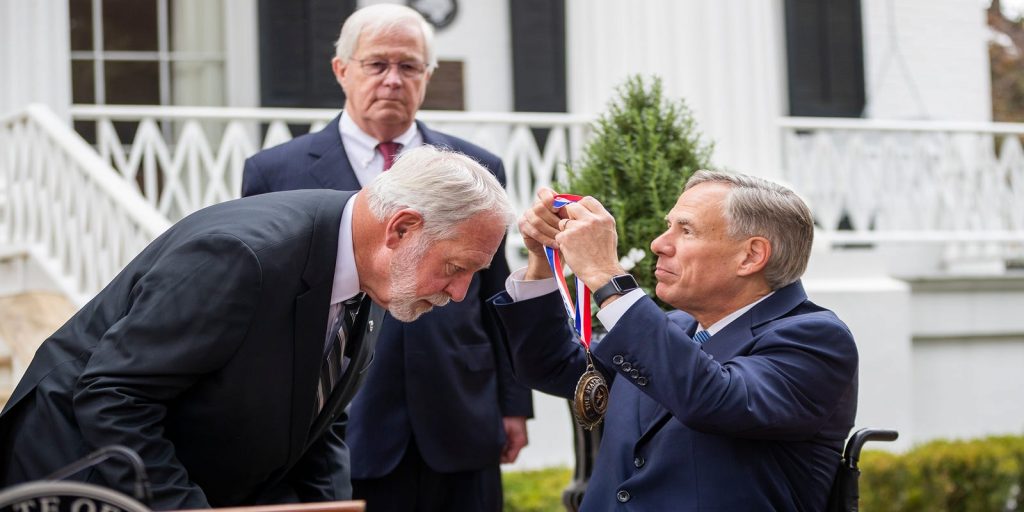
[440,407]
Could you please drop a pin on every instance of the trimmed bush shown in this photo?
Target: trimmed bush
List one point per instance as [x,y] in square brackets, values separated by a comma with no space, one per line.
[982,475]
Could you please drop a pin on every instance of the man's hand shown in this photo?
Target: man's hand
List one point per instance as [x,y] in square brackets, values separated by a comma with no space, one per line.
[588,242]
[515,438]
[539,225]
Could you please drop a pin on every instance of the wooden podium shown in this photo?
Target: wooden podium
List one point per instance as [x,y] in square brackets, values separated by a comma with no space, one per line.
[66,496]
[325,506]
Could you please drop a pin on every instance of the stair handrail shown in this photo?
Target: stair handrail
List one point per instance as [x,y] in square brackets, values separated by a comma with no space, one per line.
[65,206]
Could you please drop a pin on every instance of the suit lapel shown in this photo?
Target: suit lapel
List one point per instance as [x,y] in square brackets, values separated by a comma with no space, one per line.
[329,164]
[311,310]
[431,137]
[734,340]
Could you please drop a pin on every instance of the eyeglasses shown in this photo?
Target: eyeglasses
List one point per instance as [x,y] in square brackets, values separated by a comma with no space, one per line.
[407,68]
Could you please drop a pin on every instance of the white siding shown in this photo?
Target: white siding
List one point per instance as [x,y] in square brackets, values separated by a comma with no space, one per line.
[927,59]
[35,65]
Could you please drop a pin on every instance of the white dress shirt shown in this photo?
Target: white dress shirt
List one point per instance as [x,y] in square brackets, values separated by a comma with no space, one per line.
[346,276]
[361,148]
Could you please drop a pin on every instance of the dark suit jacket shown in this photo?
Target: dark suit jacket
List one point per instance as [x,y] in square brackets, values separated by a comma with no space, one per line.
[444,378]
[753,420]
[202,355]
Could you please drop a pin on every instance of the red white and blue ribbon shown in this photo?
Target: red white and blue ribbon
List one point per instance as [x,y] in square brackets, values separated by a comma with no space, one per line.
[578,309]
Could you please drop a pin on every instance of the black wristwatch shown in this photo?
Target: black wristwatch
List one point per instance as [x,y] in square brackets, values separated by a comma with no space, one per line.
[619,285]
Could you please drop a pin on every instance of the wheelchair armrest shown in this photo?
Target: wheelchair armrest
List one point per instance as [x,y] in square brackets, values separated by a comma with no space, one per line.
[857,440]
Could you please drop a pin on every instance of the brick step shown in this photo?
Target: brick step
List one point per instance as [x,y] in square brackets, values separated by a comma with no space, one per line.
[26,319]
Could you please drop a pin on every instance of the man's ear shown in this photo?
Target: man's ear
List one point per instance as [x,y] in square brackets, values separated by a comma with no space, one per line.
[339,68]
[401,225]
[757,250]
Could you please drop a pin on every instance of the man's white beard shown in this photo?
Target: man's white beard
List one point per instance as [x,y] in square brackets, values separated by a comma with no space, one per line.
[405,305]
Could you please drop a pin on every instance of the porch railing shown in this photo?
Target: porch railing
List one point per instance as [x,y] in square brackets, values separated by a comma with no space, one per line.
[960,185]
[65,207]
[186,158]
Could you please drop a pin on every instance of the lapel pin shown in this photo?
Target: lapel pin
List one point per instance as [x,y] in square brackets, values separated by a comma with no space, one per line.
[369,325]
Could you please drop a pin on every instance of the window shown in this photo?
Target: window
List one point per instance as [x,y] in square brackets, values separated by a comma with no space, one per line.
[147,52]
[826,58]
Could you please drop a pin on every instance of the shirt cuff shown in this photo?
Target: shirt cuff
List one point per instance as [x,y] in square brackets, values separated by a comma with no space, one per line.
[520,289]
[611,314]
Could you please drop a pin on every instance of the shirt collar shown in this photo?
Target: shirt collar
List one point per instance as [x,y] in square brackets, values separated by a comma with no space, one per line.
[346,276]
[719,325]
[362,147]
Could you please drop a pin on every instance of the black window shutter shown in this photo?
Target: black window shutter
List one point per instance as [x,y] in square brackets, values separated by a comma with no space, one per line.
[296,46]
[825,53]
[538,55]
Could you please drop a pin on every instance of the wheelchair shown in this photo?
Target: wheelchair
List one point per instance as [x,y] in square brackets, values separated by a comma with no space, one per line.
[844,496]
[845,493]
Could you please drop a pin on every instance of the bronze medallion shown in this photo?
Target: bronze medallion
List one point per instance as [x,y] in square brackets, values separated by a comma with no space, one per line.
[590,402]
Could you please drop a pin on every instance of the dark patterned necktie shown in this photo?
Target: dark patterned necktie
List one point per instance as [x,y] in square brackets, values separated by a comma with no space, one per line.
[334,360]
[389,150]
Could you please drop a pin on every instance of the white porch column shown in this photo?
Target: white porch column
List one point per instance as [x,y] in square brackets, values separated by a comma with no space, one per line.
[34,55]
[725,58]
[241,48]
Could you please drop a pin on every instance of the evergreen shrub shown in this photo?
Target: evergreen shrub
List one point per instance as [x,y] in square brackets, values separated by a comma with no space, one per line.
[644,149]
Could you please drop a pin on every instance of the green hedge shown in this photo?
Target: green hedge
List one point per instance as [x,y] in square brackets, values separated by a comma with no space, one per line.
[535,491]
[955,476]
[983,475]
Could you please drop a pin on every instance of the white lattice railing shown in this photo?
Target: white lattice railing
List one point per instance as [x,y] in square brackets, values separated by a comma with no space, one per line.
[187,158]
[958,184]
[915,181]
[61,204]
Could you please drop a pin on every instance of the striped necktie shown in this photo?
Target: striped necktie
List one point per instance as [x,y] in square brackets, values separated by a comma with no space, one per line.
[334,359]
[701,337]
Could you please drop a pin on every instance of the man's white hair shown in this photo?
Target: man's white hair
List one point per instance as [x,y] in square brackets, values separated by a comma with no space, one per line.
[445,187]
[380,18]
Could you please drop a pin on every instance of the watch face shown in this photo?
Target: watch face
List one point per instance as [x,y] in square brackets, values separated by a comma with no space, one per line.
[625,282]
[440,13]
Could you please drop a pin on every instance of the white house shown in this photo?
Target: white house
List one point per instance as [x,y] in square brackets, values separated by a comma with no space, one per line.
[877,111]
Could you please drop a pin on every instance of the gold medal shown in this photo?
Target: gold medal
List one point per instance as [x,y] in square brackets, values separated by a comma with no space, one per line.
[590,402]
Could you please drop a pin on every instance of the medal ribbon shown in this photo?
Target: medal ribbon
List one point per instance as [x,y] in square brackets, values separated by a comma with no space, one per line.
[578,309]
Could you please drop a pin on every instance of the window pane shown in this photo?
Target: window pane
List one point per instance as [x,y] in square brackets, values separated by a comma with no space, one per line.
[81,24]
[129,25]
[83,89]
[133,82]
[196,26]
[197,83]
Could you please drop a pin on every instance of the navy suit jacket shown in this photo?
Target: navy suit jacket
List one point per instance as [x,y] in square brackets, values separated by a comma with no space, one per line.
[753,420]
[444,378]
[203,356]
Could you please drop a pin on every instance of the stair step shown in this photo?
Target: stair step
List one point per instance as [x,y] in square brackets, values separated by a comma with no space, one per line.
[26,319]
